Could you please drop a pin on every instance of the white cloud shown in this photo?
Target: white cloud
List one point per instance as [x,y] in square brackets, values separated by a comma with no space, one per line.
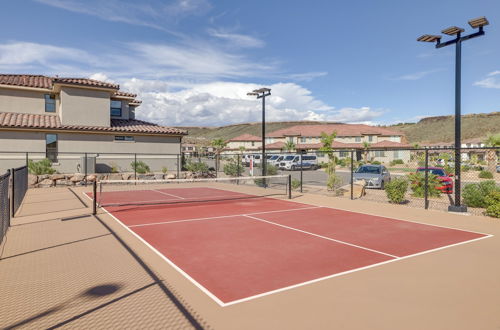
[220,103]
[307,76]
[417,75]
[491,80]
[235,39]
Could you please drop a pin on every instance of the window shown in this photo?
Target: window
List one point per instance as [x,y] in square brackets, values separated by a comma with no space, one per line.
[379,153]
[370,138]
[303,139]
[51,147]
[126,138]
[50,103]
[344,154]
[116,108]
[397,154]
[357,139]
[290,138]
[253,144]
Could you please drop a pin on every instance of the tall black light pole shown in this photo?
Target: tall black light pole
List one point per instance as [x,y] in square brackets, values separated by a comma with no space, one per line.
[477,23]
[261,94]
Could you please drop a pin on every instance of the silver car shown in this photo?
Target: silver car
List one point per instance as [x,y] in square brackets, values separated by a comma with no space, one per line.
[376,176]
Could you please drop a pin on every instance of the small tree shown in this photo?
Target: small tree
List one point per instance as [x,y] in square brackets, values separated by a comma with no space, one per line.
[140,167]
[417,181]
[493,140]
[366,146]
[43,166]
[327,140]
[289,146]
[219,145]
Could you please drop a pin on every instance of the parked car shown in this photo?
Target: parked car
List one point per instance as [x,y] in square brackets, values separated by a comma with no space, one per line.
[294,162]
[246,159]
[445,179]
[376,176]
[498,168]
[273,159]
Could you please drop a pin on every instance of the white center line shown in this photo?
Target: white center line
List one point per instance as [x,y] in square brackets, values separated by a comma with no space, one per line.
[320,236]
[164,193]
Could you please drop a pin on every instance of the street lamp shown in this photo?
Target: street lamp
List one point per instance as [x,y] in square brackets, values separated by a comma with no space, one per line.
[476,23]
[261,93]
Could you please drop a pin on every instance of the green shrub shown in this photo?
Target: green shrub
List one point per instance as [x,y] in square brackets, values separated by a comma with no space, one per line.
[295,184]
[343,162]
[397,162]
[466,168]
[485,175]
[396,190]
[232,168]
[270,170]
[376,162]
[493,204]
[114,168]
[140,167]
[197,167]
[417,181]
[475,193]
[164,170]
[43,166]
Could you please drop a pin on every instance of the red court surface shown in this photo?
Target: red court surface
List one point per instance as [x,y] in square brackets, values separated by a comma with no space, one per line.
[239,249]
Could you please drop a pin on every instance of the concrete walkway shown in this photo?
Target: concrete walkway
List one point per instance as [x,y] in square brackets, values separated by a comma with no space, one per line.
[60,267]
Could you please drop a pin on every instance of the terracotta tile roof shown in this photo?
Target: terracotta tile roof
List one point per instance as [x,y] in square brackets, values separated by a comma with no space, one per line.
[39,81]
[341,129]
[389,144]
[342,145]
[125,94]
[245,138]
[34,121]
[275,145]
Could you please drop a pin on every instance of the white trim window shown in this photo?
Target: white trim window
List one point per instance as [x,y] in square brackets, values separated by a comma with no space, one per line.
[50,103]
[116,108]
[123,138]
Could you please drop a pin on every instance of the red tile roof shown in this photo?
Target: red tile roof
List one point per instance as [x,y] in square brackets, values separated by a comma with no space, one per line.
[341,129]
[35,121]
[125,94]
[275,145]
[245,138]
[389,144]
[39,81]
[342,145]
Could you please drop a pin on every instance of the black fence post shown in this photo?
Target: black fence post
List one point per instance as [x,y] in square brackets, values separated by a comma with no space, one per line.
[12,194]
[94,195]
[238,168]
[86,170]
[426,191]
[301,171]
[135,166]
[289,186]
[352,174]
[178,166]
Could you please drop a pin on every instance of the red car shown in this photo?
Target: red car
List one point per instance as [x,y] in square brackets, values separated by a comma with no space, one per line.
[445,179]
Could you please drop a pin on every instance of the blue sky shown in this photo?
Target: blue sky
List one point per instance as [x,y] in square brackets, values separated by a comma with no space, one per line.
[193,61]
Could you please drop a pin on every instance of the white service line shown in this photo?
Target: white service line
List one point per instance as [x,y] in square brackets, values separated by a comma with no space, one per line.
[323,237]
[221,217]
[164,193]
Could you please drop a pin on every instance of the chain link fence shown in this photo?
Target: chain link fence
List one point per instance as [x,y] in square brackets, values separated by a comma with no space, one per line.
[19,187]
[4,204]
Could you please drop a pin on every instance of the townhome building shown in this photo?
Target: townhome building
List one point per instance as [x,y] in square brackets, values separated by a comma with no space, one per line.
[68,120]
[384,143]
[244,142]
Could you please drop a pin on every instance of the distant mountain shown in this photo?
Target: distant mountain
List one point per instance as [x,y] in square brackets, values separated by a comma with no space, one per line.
[430,129]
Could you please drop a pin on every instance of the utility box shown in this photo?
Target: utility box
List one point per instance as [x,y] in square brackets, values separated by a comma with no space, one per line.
[88,166]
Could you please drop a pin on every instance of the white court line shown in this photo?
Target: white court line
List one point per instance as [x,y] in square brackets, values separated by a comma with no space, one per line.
[223,304]
[221,217]
[323,237]
[193,200]
[164,193]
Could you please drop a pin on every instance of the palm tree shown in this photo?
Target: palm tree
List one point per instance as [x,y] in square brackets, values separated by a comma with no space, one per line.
[492,140]
[219,145]
[289,145]
[366,146]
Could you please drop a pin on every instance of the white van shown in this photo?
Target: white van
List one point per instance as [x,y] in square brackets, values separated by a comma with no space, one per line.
[293,162]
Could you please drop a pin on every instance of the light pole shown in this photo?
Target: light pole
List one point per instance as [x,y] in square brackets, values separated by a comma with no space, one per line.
[477,23]
[261,94]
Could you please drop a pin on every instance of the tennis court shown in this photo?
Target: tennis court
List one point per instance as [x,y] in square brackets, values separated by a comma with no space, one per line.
[237,244]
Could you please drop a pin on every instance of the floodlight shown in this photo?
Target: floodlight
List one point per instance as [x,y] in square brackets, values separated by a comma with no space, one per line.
[452,30]
[429,38]
[252,94]
[262,90]
[478,22]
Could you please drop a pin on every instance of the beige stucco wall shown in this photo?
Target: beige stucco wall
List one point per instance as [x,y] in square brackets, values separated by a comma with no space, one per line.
[246,144]
[24,101]
[84,107]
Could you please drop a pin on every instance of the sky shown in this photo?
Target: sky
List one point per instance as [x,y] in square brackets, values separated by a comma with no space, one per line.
[192,62]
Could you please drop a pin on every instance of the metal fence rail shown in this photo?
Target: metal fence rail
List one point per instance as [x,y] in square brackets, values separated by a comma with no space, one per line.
[4,204]
[19,187]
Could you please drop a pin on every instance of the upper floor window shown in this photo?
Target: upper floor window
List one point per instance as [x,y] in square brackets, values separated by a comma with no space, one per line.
[303,139]
[124,138]
[357,138]
[51,147]
[50,103]
[116,108]
[370,138]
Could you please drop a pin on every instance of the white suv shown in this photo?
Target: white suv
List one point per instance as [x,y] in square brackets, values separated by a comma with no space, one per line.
[293,162]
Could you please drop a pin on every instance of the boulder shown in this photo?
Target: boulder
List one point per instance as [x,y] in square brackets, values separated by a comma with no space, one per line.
[91,178]
[56,177]
[126,176]
[171,176]
[158,176]
[115,176]
[77,178]
[358,189]
[145,176]
[43,177]
[64,183]
[32,179]
[46,183]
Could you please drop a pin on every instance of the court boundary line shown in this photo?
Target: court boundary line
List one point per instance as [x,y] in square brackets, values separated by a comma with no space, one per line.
[138,203]
[223,304]
[164,193]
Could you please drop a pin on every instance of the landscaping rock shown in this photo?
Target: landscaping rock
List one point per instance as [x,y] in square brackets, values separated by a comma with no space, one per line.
[171,176]
[145,176]
[358,189]
[64,183]
[115,176]
[126,176]
[32,179]
[56,177]
[43,177]
[46,183]
[158,176]
[77,178]
[91,178]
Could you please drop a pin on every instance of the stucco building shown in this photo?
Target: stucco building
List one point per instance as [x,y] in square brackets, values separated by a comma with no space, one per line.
[63,119]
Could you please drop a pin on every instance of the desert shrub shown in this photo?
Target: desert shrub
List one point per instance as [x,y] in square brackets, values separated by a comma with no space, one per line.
[114,167]
[270,170]
[493,204]
[475,194]
[43,166]
[295,184]
[343,162]
[485,175]
[197,167]
[466,168]
[417,181]
[396,190]
[232,168]
[397,162]
[164,170]
[376,162]
[140,167]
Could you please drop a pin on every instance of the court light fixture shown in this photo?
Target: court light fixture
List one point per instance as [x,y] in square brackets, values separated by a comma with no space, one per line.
[478,22]
[262,93]
[453,30]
